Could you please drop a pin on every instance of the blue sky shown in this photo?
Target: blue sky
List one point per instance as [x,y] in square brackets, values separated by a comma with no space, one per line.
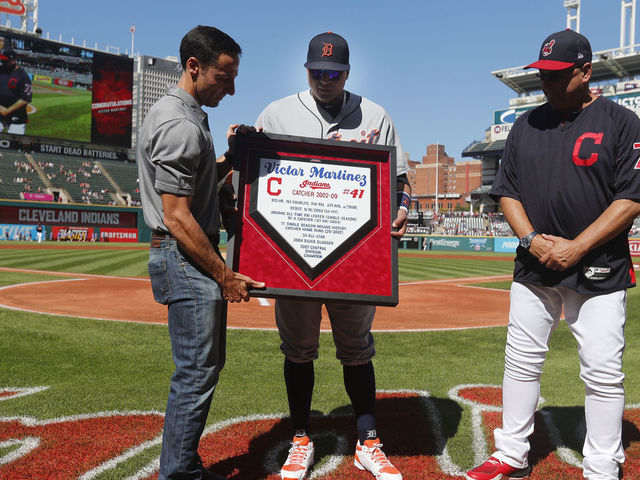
[427,62]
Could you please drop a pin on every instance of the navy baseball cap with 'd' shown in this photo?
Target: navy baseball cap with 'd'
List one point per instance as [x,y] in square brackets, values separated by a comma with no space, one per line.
[562,50]
[328,51]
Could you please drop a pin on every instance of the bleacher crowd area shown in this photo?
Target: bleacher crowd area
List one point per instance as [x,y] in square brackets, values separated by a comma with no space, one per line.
[465,224]
[68,179]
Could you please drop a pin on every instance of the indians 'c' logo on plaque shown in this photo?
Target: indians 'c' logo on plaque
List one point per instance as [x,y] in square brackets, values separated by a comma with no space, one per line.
[546,50]
[327,50]
[13,7]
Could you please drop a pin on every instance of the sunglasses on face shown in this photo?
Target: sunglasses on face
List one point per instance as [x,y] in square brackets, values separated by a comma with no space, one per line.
[555,75]
[332,75]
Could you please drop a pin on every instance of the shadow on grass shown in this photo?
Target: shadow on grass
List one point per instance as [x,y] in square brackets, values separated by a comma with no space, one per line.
[406,425]
[558,428]
[415,431]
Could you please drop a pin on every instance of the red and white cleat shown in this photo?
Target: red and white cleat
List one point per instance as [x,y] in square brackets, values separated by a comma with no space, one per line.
[494,469]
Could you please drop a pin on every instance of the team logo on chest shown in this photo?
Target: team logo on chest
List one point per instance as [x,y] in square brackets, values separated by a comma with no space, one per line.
[327,50]
[546,50]
[593,158]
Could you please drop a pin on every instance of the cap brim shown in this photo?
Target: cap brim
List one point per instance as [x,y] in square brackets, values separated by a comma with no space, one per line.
[341,67]
[550,65]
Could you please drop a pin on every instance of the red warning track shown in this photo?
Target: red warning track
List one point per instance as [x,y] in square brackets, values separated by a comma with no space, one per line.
[427,305]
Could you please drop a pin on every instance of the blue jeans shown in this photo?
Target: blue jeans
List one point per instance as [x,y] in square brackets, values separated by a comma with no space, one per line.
[197,327]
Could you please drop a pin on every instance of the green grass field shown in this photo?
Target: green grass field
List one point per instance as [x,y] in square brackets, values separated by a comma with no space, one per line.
[96,366]
[61,112]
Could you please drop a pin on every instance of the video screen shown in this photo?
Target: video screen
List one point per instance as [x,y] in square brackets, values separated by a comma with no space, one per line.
[66,92]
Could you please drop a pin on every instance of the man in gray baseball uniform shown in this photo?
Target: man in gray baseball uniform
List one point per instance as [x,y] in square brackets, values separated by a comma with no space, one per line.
[328,111]
[179,175]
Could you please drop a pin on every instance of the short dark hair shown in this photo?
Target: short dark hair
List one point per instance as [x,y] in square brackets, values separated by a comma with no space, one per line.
[206,44]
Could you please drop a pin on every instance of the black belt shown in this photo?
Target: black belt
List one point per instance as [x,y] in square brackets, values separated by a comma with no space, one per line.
[158,236]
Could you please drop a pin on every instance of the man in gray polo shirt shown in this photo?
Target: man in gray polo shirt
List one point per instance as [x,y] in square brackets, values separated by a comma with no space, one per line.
[179,175]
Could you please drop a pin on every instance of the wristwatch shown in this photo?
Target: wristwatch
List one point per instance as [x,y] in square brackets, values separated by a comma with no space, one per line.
[525,242]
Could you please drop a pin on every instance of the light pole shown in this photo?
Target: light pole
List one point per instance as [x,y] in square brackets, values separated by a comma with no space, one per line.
[437,155]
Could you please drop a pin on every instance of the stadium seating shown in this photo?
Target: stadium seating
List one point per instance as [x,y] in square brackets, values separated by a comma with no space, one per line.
[125,175]
[464,223]
[76,176]
[18,175]
[458,224]
[84,180]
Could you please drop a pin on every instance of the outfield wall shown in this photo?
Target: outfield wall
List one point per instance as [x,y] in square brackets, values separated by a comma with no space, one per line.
[477,244]
[460,243]
[74,221]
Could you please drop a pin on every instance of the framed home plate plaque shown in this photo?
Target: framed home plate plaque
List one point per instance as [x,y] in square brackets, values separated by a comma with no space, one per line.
[314,218]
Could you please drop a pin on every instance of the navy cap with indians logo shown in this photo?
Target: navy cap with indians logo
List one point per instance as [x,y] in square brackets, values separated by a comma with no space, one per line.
[328,51]
[562,50]
[6,53]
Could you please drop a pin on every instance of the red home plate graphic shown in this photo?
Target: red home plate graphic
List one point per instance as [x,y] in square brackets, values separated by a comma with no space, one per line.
[415,427]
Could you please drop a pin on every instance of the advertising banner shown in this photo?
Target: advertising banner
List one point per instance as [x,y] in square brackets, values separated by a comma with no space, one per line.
[634,246]
[467,244]
[42,78]
[9,145]
[629,100]
[315,218]
[17,232]
[506,244]
[83,152]
[38,197]
[480,244]
[509,115]
[118,234]
[61,216]
[72,234]
[500,132]
[63,82]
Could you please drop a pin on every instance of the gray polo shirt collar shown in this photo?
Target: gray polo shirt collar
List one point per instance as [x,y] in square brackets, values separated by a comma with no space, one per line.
[187,98]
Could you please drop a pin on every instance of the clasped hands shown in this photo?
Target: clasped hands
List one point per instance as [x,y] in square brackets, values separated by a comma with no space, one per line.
[556,253]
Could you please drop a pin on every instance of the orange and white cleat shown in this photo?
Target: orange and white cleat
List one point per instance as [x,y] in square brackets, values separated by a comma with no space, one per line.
[370,457]
[299,460]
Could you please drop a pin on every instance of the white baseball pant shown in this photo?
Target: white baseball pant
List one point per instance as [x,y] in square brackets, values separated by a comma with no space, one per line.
[14,128]
[597,323]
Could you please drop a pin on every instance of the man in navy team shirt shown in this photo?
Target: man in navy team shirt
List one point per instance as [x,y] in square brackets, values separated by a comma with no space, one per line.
[569,186]
[15,93]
